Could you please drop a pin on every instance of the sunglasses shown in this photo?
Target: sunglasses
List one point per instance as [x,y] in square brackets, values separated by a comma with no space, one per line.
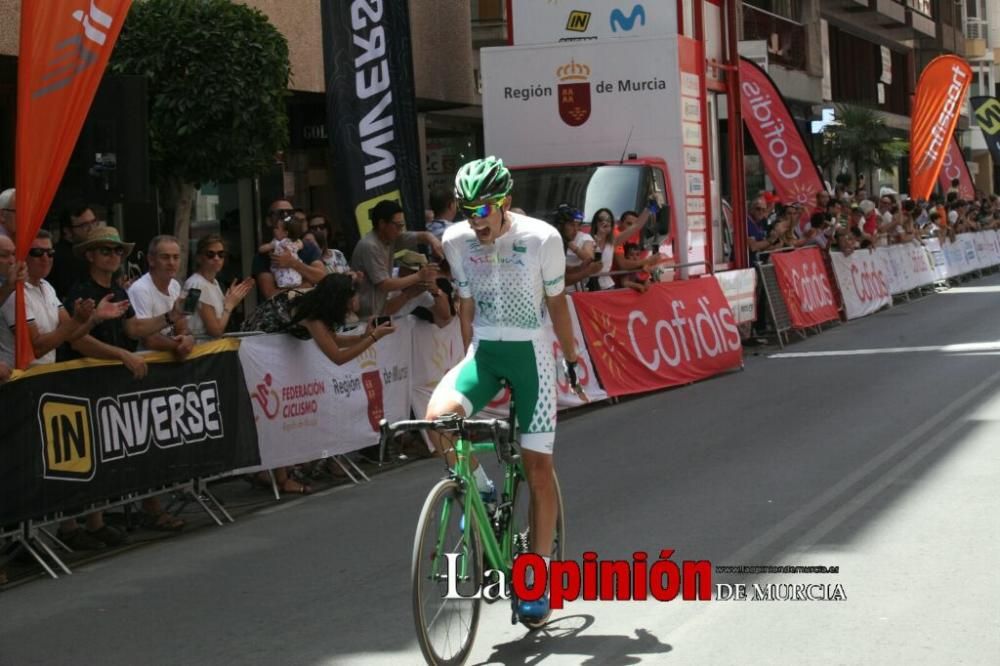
[279,212]
[483,210]
[38,252]
[212,254]
[108,251]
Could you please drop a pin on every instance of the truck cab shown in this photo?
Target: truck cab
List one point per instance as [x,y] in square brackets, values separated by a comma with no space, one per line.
[618,186]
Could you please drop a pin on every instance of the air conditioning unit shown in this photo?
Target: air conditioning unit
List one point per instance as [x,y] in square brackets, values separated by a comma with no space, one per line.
[755,50]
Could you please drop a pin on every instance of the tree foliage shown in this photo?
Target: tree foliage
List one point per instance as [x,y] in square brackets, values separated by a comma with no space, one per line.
[861,140]
[217,75]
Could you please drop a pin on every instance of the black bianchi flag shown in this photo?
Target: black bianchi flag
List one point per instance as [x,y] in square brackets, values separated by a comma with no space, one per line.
[987,112]
[371,113]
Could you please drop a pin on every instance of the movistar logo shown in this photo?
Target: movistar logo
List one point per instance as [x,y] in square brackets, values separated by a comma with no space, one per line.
[626,23]
[519,248]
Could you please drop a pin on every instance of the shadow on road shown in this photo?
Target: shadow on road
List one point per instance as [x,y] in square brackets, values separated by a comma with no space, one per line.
[564,636]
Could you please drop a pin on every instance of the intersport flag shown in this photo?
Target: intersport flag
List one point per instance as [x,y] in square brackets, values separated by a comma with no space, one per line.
[955,166]
[64,49]
[987,112]
[371,112]
[940,94]
[782,149]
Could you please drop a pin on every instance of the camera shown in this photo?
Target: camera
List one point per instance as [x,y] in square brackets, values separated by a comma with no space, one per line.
[191,301]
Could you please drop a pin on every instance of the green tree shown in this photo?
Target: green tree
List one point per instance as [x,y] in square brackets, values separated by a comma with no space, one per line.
[860,140]
[217,75]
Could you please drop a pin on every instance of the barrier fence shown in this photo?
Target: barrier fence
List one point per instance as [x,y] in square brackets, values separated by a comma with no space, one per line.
[86,434]
[800,282]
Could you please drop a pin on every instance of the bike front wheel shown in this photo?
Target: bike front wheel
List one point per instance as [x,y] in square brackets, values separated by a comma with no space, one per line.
[447,573]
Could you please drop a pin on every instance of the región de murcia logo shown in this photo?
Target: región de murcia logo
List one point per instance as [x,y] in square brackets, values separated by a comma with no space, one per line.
[574,93]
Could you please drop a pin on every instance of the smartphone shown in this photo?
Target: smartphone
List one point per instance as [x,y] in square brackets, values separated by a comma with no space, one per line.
[191,301]
[384,319]
[656,248]
[597,255]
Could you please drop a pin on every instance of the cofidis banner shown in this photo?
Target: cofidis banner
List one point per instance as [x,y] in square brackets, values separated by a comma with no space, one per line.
[83,431]
[675,333]
[64,49]
[805,287]
[786,158]
[955,167]
[371,114]
[940,94]
[987,111]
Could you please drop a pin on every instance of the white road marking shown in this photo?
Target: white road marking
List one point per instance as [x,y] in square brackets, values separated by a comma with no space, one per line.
[960,348]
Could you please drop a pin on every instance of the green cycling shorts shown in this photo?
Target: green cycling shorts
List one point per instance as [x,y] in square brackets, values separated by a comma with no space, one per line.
[529,366]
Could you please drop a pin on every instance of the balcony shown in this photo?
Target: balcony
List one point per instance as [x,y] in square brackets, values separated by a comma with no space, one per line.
[898,20]
[976,33]
[785,39]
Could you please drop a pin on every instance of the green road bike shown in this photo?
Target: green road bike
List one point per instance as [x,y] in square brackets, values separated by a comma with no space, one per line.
[458,535]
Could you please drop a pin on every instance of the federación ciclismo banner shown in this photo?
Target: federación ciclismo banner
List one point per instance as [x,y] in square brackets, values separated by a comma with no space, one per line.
[940,94]
[371,112]
[787,161]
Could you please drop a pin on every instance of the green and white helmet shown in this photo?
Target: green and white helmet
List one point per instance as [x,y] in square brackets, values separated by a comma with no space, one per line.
[482,180]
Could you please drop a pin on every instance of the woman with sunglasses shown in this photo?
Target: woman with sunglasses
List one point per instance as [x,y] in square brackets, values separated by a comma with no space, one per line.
[215,308]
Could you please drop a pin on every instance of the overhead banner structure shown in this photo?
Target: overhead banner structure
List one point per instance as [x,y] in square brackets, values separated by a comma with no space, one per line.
[64,48]
[371,113]
[805,287]
[788,162]
[987,112]
[81,432]
[955,167]
[939,98]
[675,333]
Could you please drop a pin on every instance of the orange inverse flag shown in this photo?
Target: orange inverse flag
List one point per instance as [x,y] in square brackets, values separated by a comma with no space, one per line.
[939,98]
[64,50]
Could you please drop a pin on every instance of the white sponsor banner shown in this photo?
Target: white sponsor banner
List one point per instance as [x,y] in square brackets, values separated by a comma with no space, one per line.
[535,22]
[306,407]
[910,267]
[863,283]
[938,258]
[740,288]
[969,250]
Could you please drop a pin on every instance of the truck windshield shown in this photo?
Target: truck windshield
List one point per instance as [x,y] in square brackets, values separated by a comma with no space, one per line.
[540,190]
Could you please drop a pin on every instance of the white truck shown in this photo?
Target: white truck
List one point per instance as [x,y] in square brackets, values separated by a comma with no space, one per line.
[599,122]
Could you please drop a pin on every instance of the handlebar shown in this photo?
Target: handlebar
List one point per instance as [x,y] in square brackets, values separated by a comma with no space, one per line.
[496,429]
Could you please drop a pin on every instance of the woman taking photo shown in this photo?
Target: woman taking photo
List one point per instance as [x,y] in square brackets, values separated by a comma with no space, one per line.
[211,317]
[315,314]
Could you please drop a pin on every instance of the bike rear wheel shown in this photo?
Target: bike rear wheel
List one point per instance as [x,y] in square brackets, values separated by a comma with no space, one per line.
[446,628]
[520,526]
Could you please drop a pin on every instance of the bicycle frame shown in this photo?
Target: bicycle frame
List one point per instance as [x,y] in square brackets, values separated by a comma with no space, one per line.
[499,554]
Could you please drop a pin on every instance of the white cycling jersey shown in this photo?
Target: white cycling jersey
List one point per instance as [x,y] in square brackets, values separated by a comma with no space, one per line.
[509,279]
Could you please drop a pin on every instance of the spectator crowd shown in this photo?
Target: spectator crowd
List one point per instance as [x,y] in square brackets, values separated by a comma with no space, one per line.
[82,302]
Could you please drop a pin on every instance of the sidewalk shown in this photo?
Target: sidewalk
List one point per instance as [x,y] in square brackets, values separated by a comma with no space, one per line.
[237,494]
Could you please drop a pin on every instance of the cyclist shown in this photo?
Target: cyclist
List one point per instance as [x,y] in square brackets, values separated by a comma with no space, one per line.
[509,270]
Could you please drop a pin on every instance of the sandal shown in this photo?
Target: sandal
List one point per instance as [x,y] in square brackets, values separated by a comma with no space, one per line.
[162,522]
[293,487]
